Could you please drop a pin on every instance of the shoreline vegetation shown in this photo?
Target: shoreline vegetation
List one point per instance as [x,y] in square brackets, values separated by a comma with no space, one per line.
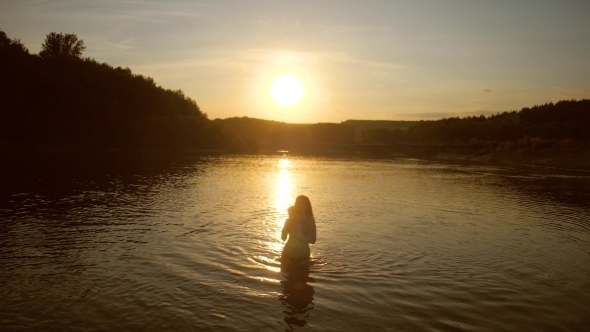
[58,102]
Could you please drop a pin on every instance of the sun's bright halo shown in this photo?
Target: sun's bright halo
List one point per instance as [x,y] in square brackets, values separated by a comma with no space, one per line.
[286,90]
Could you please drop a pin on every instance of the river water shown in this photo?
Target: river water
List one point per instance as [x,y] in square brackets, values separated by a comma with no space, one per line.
[193,244]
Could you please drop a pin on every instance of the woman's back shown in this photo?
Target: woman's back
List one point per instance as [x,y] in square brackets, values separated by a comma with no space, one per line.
[301,229]
[297,245]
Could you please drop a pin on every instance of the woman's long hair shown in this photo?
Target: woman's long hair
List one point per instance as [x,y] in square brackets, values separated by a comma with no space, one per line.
[303,206]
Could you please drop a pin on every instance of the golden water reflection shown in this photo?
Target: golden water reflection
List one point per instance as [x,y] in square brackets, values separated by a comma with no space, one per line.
[283,199]
[284,163]
[283,196]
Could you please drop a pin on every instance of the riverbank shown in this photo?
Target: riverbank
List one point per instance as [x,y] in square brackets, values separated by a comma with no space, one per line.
[550,158]
[7,147]
[566,155]
[575,156]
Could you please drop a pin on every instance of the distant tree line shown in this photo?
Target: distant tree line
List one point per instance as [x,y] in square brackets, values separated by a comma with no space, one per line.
[568,119]
[59,98]
[565,120]
[257,130]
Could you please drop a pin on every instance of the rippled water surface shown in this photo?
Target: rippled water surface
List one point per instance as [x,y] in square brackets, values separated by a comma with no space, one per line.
[193,243]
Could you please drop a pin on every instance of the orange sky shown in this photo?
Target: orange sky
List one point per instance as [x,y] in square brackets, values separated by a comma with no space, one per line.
[356,59]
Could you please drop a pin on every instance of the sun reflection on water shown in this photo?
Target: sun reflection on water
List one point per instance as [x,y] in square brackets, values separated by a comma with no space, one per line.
[283,187]
[284,163]
[283,199]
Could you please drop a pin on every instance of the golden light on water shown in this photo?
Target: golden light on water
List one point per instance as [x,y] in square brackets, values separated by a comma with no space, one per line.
[283,187]
[283,163]
[283,199]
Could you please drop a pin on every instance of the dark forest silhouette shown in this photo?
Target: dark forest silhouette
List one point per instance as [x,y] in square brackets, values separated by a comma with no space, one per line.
[542,125]
[567,119]
[58,98]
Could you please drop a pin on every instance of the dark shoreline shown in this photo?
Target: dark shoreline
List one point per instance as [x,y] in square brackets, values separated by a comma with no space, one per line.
[562,160]
[574,158]
[570,158]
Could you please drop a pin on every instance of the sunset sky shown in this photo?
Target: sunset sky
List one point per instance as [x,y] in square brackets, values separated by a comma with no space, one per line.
[379,59]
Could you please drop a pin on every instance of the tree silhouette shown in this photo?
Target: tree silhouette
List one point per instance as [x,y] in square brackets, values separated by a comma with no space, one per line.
[13,46]
[88,104]
[62,45]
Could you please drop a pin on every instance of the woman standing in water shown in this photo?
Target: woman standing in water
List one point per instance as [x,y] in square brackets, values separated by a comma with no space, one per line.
[300,227]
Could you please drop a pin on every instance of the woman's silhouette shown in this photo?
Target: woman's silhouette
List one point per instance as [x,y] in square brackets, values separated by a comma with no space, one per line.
[301,230]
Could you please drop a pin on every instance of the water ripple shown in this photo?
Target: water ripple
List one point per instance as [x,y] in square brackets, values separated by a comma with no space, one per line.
[170,244]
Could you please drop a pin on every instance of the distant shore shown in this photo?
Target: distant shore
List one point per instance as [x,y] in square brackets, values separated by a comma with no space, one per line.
[575,157]
[572,158]
[569,160]
[32,149]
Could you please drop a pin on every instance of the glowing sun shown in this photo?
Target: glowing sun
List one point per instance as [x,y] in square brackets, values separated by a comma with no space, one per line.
[286,90]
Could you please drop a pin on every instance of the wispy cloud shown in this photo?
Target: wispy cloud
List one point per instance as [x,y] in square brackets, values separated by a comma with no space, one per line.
[351,29]
[347,58]
[157,16]
[101,47]
[125,44]
[566,93]
[232,58]
[152,12]
[424,115]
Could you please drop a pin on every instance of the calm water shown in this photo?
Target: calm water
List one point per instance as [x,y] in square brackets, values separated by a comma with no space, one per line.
[153,244]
